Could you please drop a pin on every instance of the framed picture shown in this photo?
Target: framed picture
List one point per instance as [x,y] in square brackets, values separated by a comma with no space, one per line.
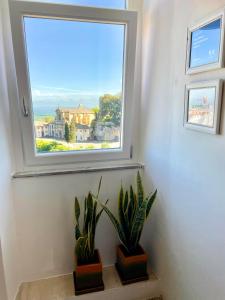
[202,106]
[205,46]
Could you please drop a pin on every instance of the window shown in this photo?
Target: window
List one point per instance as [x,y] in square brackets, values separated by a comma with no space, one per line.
[76,79]
[75,70]
[117,4]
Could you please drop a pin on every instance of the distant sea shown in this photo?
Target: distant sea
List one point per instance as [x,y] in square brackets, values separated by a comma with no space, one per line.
[44,110]
[41,108]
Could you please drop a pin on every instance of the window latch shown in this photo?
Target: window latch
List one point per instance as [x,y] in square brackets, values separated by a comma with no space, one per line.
[131,151]
[25,110]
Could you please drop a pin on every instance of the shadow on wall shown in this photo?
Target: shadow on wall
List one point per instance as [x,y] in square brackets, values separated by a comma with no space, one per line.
[3,294]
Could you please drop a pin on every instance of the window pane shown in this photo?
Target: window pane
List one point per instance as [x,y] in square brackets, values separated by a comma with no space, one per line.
[205,44]
[117,4]
[76,78]
[202,106]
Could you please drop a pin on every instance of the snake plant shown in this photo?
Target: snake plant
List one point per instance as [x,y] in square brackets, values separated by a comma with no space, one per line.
[85,235]
[133,210]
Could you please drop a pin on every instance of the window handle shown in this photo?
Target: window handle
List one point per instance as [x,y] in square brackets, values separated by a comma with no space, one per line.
[25,110]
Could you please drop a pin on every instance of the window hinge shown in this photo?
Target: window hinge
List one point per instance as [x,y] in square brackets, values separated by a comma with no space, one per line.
[131,151]
[25,110]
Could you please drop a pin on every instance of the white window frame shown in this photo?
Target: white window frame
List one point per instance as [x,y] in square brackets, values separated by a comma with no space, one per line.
[19,9]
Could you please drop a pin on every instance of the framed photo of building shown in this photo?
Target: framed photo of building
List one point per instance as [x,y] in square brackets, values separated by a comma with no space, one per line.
[205,46]
[203,105]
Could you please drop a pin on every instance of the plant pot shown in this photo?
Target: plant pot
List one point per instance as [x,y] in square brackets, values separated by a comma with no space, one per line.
[88,277]
[131,268]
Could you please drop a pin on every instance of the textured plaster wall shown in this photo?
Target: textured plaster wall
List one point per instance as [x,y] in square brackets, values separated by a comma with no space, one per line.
[186,232]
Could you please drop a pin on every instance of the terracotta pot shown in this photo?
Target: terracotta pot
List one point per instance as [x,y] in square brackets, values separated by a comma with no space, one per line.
[88,277]
[131,268]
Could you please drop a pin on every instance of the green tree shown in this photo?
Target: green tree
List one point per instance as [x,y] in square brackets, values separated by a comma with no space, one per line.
[48,119]
[110,108]
[67,133]
[72,132]
[95,110]
[50,146]
[94,122]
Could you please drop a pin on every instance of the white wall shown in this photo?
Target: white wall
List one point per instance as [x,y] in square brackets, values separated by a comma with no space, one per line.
[185,234]
[3,290]
[187,243]
[45,220]
[44,207]
[9,248]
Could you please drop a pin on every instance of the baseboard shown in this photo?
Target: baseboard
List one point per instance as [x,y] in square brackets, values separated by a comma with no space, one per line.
[16,297]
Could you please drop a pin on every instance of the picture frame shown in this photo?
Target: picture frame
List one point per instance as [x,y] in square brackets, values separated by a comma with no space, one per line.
[203,105]
[205,44]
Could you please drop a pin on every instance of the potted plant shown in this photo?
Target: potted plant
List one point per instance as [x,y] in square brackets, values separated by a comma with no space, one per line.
[133,210]
[88,272]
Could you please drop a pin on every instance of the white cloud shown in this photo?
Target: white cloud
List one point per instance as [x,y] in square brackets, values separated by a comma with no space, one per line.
[36,93]
[47,92]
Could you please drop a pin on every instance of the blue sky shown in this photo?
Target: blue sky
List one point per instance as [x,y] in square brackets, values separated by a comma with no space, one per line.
[198,95]
[73,62]
[118,4]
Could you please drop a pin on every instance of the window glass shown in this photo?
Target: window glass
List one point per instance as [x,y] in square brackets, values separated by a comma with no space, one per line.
[117,4]
[76,79]
[202,106]
[205,44]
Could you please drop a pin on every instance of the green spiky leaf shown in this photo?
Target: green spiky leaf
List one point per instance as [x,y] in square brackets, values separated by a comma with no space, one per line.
[99,186]
[85,213]
[117,226]
[120,199]
[85,245]
[125,207]
[131,206]
[125,202]
[77,210]
[79,249]
[122,217]
[101,211]
[77,232]
[138,224]
[151,200]
[88,213]
[140,191]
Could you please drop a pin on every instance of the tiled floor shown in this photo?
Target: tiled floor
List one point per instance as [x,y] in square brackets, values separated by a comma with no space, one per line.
[61,288]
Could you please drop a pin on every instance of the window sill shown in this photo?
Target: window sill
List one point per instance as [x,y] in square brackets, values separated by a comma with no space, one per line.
[80,170]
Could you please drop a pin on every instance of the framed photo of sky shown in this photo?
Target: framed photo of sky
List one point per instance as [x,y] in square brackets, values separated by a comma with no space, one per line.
[205,47]
[203,105]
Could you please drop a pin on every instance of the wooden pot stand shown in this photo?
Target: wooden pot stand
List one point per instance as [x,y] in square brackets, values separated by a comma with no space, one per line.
[131,268]
[88,277]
